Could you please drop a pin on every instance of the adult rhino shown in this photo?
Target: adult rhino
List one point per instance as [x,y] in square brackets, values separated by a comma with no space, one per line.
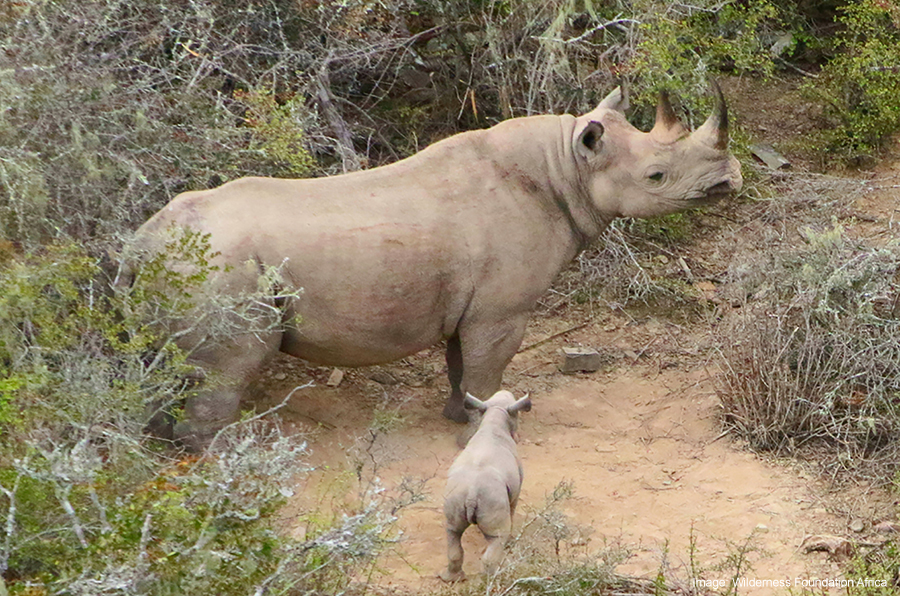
[456,243]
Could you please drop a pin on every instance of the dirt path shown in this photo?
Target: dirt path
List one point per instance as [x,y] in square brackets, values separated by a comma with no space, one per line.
[640,442]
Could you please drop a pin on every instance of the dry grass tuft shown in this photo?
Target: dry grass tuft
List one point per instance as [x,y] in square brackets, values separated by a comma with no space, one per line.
[811,360]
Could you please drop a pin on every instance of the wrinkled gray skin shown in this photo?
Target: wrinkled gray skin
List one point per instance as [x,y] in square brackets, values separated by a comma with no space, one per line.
[455,243]
[484,481]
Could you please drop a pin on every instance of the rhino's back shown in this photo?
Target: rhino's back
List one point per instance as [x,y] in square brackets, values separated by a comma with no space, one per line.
[382,259]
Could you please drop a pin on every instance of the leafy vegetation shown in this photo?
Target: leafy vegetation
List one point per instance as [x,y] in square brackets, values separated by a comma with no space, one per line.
[859,86]
[110,108]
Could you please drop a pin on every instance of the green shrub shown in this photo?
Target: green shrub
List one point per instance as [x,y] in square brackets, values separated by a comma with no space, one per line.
[93,506]
[680,48]
[860,85]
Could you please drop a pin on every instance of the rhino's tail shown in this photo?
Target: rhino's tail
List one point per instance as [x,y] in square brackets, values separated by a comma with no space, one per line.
[472,506]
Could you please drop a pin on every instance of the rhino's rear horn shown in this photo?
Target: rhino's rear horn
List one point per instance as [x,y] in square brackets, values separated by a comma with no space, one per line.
[666,121]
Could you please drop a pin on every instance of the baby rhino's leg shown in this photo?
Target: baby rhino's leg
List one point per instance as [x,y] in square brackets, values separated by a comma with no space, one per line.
[496,530]
[453,572]
[457,522]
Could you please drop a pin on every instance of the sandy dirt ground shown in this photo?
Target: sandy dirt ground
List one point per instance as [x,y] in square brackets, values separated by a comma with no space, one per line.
[640,441]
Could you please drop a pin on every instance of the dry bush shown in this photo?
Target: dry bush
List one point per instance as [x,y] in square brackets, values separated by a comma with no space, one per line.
[812,359]
[111,108]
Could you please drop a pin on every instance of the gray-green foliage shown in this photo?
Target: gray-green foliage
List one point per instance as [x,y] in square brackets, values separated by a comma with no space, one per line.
[107,109]
[90,504]
[564,55]
[814,357]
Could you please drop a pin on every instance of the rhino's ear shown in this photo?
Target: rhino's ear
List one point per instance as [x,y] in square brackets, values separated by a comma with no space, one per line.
[473,403]
[522,405]
[616,100]
[589,139]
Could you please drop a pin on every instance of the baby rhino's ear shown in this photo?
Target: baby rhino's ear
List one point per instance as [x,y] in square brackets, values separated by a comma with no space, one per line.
[473,403]
[522,405]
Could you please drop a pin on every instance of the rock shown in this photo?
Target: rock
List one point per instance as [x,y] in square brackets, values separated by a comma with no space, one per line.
[833,545]
[887,527]
[770,157]
[762,528]
[580,360]
[707,289]
[383,377]
[279,376]
[335,378]
[631,354]
[784,40]
[857,525]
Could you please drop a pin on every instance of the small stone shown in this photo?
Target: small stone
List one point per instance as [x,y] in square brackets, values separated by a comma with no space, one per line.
[834,545]
[580,360]
[280,376]
[857,525]
[887,527]
[707,289]
[630,354]
[762,528]
[771,158]
[385,378]
[610,327]
[335,378]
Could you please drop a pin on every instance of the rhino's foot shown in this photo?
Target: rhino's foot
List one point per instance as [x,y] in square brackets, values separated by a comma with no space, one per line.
[450,576]
[455,412]
[191,438]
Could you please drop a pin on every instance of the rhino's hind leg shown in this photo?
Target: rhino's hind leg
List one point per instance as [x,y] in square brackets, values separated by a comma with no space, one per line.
[205,415]
[453,572]
[496,527]
[454,409]
[218,404]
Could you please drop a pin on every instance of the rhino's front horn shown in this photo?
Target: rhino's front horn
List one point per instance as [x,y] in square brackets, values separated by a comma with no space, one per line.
[715,130]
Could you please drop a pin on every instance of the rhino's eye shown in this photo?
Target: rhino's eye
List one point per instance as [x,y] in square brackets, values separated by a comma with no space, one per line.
[656,176]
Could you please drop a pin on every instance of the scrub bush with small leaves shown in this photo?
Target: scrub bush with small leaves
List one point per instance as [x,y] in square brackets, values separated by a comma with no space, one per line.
[90,504]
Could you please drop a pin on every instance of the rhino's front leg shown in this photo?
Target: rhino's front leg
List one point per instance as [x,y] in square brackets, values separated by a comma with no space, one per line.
[486,347]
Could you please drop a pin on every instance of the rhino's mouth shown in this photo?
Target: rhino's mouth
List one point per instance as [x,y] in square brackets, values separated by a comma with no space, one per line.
[719,190]
[710,195]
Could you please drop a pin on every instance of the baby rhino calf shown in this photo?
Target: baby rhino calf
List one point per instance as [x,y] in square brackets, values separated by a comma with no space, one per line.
[483,483]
